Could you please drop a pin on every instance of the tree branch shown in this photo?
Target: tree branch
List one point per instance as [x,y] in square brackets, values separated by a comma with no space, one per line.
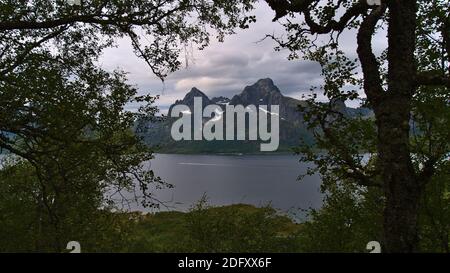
[139,18]
[431,78]
[370,66]
[283,7]
[21,57]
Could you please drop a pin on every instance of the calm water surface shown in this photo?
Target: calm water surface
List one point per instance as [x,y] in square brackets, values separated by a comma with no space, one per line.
[250,179]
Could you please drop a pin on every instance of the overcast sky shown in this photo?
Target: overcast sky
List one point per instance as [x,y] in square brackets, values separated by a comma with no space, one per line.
[224,69]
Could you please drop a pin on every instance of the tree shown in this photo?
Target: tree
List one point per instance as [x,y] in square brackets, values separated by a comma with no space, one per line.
[28,226]
[75,135]
[415,61]
[351,216]
[88,28]
[43,40]
[65,119]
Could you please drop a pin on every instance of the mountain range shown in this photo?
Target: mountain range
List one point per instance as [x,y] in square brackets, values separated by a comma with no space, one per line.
[263,92]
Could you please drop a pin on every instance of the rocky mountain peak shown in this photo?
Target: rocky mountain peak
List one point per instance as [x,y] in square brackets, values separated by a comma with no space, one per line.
[263,92]
[195,92]
[266,83]
[188,99]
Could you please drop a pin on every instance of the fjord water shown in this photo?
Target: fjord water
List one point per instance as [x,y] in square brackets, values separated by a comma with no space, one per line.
[231,179]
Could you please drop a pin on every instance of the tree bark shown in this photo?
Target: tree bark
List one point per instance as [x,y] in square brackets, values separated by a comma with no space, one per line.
[402,187]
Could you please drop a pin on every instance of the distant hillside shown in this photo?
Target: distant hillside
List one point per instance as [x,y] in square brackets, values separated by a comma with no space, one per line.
[263,92]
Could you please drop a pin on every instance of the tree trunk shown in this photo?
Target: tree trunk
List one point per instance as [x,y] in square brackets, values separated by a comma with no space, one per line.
[402,190]
[401,186]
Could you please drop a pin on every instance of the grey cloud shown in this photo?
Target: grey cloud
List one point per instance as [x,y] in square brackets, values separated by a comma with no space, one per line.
[224,69]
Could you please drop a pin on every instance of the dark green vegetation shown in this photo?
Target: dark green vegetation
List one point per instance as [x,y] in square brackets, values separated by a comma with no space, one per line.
[28,226]
[236,228]
[159,138]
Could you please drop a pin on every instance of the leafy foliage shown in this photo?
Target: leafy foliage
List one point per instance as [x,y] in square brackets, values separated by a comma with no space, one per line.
[405,146]
[64,119]
[235,228]
[29,224]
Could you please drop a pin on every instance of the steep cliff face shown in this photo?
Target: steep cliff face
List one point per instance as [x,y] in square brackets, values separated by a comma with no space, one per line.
[265,92]
[262,92]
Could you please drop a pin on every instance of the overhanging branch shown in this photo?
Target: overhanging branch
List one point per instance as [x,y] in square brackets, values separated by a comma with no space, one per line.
[283,7]
[370,66]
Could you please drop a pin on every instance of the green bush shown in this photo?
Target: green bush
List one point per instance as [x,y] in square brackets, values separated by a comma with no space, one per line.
[235,228]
